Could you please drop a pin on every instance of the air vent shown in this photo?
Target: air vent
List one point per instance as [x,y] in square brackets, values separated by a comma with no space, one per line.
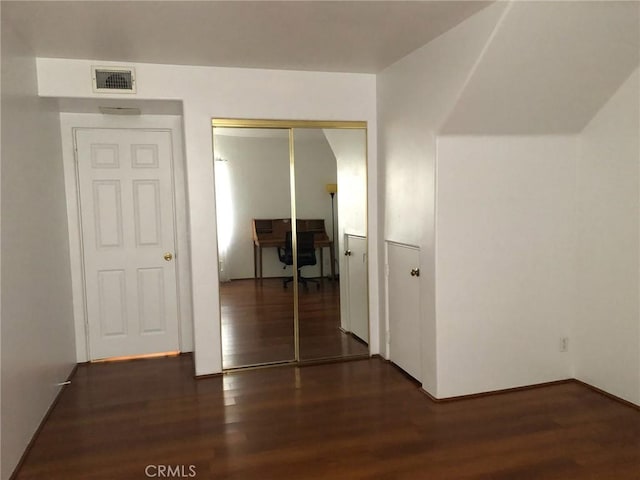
[113,79]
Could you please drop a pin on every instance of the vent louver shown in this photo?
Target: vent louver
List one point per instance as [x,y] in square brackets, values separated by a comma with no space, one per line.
[113,80]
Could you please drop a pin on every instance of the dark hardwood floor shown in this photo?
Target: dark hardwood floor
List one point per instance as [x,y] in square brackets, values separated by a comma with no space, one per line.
[257,323]
[354,420]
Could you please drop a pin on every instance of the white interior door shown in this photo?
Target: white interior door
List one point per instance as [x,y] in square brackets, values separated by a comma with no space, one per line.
[125,179]
[403,302]
[357,288]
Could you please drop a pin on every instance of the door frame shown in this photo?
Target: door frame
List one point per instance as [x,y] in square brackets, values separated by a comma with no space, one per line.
[69,124]
[292,125]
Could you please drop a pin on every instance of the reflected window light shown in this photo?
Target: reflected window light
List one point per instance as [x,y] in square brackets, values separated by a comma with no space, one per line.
[224,206]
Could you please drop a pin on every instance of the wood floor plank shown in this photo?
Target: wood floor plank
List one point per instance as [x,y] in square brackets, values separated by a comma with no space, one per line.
[353,420]
[257,323]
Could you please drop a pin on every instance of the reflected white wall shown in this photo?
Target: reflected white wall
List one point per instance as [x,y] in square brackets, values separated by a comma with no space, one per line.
[350,150]
[225,218]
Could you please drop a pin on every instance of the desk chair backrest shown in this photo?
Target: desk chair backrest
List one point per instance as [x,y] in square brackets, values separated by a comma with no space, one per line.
[306,250]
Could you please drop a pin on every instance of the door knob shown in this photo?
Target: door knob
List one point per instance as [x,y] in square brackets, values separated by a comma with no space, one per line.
[415,272]
[347,253]
[168,256]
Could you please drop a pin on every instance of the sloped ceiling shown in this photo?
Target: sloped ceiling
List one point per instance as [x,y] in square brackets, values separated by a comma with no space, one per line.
[339,36]
[549,68]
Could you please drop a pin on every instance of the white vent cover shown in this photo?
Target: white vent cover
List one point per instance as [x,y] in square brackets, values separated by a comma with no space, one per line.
[114,79]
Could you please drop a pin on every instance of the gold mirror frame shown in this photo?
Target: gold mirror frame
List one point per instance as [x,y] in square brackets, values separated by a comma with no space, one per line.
[290,125]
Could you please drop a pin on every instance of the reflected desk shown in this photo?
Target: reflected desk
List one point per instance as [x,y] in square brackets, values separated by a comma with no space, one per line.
[271,233]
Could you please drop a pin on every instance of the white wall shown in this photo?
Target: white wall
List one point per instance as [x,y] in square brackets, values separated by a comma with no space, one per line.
[315,166]
[549,68]
[260,187]
[495,217]
[505,269]
[349,148]
[606,335]
[209,92]
[414,97]
[37,319]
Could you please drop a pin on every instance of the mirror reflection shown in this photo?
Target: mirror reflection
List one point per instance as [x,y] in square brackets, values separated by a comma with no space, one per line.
[252,182]
[330,178]
[293,264]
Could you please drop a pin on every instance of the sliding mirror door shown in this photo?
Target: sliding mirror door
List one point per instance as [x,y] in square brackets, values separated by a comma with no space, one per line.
[331,210]
[253,206]
[292,251]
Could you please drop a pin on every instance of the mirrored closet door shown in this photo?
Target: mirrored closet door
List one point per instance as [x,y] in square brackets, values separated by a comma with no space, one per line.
[252,181]
[331,200]
[292,240]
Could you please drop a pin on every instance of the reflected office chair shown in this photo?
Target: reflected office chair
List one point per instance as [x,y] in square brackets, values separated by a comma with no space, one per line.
[306,256]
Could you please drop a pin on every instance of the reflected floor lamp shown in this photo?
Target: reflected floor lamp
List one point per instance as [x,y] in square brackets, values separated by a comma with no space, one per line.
[332,189]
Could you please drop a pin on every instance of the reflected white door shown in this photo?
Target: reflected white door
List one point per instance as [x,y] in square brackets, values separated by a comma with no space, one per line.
[125,179]
[357,278]
[403,301]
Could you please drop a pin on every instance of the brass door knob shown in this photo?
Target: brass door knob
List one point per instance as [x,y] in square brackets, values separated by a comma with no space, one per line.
[168,256]
[415,272]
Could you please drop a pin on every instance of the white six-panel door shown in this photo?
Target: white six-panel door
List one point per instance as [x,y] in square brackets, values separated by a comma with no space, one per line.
[125,179]
[403,301]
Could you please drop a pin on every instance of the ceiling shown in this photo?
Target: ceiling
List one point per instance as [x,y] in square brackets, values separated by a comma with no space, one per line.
[338,36]
[549,68]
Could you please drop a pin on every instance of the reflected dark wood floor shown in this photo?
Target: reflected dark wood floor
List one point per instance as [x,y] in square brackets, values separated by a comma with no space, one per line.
[257,323]
[353,420]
